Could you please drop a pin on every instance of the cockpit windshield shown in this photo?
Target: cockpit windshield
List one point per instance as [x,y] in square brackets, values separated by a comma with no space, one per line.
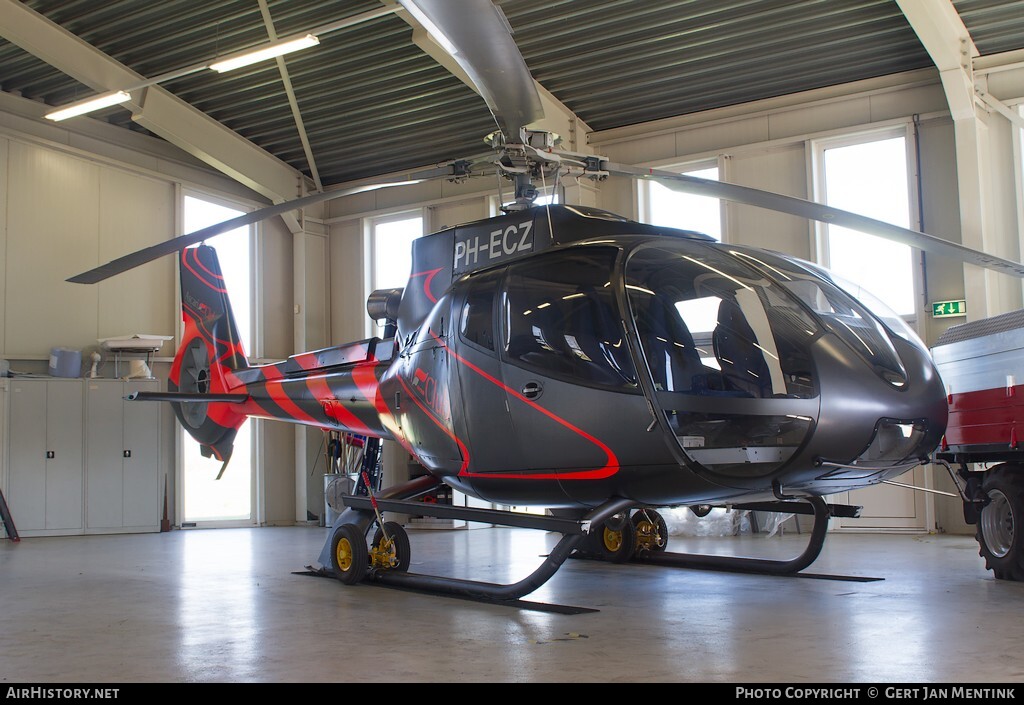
[841,313]
[711,326]
[729,354]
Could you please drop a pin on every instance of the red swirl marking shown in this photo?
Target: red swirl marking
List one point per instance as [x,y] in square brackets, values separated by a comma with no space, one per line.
[429,274]
[463,451]
[197,275]
[610,468]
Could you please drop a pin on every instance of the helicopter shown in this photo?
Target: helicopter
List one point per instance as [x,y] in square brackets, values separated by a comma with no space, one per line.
[566,357]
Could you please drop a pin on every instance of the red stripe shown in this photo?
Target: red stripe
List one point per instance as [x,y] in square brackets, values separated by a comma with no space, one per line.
[272,384]
[609,469]
[437,422]
[322,392]
[364,375]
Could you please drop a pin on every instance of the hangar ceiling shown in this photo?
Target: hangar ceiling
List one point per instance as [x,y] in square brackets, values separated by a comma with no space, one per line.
[368,100]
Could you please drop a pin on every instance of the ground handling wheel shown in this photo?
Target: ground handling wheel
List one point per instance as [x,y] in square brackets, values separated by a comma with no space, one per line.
[349,555]
[614,540]
[651,531]
[390,548]
[1000,531]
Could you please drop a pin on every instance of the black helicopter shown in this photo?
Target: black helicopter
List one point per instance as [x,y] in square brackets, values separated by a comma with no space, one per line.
[566,357]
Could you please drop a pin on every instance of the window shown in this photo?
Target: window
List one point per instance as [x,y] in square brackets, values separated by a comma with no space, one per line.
[230,499]
[477,325]
[868,175]
[390,249]
[660,205]
[560,318]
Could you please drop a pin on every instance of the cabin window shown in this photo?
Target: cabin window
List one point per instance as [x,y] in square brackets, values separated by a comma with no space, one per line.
[869,175]
[660,205]
[560,319]
[477,325]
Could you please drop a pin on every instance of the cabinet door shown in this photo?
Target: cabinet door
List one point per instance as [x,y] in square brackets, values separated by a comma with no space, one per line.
[26,494]
[64,441]
[104,493]
[141,451]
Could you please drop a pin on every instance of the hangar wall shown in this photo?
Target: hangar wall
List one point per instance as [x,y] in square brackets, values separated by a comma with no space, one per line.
[74,196]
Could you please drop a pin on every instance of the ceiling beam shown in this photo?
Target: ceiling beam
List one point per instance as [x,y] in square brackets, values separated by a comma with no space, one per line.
[949,44]
[944,36]
[293,103]
[153,107]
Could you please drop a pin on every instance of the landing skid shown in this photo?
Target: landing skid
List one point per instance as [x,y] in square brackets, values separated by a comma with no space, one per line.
[354,523]
[359,513]
[743,564]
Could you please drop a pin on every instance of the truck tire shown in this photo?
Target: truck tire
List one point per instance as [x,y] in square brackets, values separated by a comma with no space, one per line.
[1000,531]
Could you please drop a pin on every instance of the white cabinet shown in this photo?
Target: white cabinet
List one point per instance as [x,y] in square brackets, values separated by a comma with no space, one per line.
[78,458]
[45,456]
[122,443]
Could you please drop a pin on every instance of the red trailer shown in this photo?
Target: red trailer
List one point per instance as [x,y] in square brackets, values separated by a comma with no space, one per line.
[982,366]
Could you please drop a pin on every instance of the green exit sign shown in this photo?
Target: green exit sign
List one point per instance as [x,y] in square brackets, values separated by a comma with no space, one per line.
[946,309]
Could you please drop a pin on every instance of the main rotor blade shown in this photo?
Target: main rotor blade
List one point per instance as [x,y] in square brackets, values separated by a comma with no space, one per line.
[123,264]
[818,211]
[479,38]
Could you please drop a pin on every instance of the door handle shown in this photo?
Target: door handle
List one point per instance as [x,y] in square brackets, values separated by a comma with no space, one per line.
[532,390]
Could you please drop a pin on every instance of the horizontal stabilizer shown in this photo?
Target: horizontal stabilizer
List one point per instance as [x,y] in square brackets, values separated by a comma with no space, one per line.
[188,397]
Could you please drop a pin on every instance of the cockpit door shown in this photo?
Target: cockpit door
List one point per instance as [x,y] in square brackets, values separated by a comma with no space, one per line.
[483,413]
[569,378]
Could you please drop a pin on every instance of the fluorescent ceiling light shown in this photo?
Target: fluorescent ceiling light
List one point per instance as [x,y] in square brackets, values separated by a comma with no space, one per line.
[268,52]
[87,106]
[427,24]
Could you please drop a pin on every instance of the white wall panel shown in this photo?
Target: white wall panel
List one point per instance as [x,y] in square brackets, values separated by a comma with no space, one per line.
[276,289]
[821,117]
[348,296]
[451,214]
[5,178]
[53,233]
[940,216]
[889,105]
[135,212]
[782,170]
[999,182]
[317,288]
[278,460]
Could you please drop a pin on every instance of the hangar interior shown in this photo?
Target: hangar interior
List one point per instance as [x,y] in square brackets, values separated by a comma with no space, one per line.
[752,92]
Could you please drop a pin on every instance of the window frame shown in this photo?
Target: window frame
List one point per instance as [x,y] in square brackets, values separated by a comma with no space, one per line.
[503,333]
[256,503]
[643,191]
[465,288]
[820,245]
[370,248]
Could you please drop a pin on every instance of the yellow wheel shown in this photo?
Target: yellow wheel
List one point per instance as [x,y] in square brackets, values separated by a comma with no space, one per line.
[349,556]
[616,540]
[393,552]
[651,531]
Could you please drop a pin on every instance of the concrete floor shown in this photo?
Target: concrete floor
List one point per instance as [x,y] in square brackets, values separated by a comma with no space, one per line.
[224,605]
